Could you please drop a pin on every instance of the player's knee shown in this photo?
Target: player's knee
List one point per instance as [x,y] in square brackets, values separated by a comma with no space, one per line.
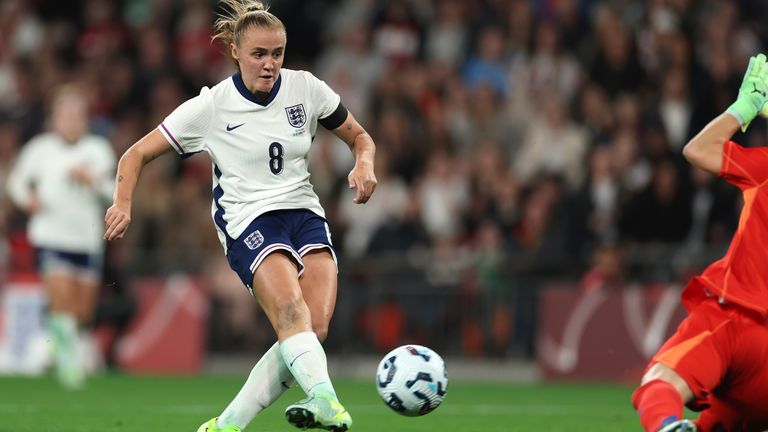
[665,373]
[658,372]
[291,311]
[321,330]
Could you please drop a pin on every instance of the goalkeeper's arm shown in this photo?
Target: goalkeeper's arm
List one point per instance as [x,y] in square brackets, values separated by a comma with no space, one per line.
[705,150]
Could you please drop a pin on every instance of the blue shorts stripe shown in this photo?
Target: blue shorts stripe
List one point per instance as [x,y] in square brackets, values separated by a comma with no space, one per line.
[273,248]
[48,260]
[218,216]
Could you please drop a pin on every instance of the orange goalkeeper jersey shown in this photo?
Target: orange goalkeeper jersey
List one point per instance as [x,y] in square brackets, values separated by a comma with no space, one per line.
[741,276]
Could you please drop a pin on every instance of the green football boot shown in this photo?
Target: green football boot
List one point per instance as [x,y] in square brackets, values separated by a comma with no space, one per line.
[319,411]
[210,426]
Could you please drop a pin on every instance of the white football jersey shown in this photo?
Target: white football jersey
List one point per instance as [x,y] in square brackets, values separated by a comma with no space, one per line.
[71,215]
[259,148]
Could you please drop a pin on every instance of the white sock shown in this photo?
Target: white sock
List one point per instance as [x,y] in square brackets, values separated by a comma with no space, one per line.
[306,360]
[64,334]
[269,379]
[88,352]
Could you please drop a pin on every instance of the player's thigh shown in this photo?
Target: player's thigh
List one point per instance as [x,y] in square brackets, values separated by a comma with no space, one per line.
[746,389]
[319,284]
[56,273]
[720,416]
[699,353]
[87,272]
[86,293]
[729,416]
[60,288]
[312,239]
[277,290]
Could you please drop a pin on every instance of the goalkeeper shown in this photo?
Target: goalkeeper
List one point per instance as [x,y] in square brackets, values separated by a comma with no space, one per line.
[717,361]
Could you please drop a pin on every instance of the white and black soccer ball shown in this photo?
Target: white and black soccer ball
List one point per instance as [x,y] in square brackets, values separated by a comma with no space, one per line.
[412,380]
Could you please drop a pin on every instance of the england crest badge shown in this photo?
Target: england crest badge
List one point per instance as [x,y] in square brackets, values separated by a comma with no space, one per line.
[254,240]
[296,115]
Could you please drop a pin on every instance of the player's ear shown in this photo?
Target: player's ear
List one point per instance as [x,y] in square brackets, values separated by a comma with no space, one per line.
[233,50]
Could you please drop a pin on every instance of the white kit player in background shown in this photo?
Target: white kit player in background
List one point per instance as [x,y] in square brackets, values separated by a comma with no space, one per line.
[257,127]
[63,179]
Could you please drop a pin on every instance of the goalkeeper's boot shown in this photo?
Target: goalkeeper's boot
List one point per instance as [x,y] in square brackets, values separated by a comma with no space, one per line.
[319,411]
[210,426]
[679,426]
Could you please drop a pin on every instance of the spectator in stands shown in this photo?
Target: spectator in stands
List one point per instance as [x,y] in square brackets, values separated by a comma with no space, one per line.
[552,127]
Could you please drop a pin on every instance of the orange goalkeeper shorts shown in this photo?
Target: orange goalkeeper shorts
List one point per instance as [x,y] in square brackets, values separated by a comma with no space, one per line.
[721,351]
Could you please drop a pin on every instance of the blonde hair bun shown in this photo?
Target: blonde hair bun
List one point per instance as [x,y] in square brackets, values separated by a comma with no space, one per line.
[241,15]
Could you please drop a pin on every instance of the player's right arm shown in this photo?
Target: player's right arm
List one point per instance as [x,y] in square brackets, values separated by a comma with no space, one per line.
[129,168]
[21,179]
[182,131]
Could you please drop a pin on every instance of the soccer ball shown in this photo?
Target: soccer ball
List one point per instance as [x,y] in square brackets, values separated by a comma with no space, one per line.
[412,380]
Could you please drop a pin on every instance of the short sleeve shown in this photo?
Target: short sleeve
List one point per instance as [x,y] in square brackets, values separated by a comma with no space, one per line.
[323,97]
[185,128]
[744,167]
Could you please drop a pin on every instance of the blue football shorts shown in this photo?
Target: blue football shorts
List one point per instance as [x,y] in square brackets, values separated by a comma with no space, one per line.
[296,232]
[79,265]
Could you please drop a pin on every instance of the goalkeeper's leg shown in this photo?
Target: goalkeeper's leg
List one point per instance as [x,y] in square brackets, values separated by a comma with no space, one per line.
[658,403]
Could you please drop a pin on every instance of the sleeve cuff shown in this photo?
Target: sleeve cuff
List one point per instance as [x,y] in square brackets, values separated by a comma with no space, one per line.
[736,115]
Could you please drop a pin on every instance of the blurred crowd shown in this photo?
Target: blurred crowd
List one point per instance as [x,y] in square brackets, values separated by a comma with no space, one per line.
[511,134]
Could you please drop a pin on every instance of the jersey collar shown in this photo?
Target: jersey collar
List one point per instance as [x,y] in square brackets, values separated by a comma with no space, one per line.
[243,90]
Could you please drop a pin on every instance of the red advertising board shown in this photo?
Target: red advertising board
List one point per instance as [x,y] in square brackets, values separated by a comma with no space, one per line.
[604,334]
[168,334]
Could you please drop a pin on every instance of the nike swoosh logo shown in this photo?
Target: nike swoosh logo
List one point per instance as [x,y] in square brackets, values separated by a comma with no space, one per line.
[296,358]
[231,128]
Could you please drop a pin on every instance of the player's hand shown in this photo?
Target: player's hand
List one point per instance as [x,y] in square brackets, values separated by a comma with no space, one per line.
[117,220]
[363,180]
[753,93]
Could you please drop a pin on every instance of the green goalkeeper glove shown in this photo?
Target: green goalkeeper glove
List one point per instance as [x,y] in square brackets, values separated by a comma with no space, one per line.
[753,93]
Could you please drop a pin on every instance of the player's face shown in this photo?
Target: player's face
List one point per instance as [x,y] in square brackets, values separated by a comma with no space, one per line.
[260,55]
[70,118]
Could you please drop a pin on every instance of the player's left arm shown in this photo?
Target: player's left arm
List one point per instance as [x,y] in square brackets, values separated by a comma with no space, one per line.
[362,177]
[22,178]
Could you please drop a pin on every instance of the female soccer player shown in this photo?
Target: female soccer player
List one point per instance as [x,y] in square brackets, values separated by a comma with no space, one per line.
[63,180]
[717,361]
[257,127]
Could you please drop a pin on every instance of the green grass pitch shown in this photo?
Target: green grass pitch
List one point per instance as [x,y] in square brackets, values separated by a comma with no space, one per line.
[122,403]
